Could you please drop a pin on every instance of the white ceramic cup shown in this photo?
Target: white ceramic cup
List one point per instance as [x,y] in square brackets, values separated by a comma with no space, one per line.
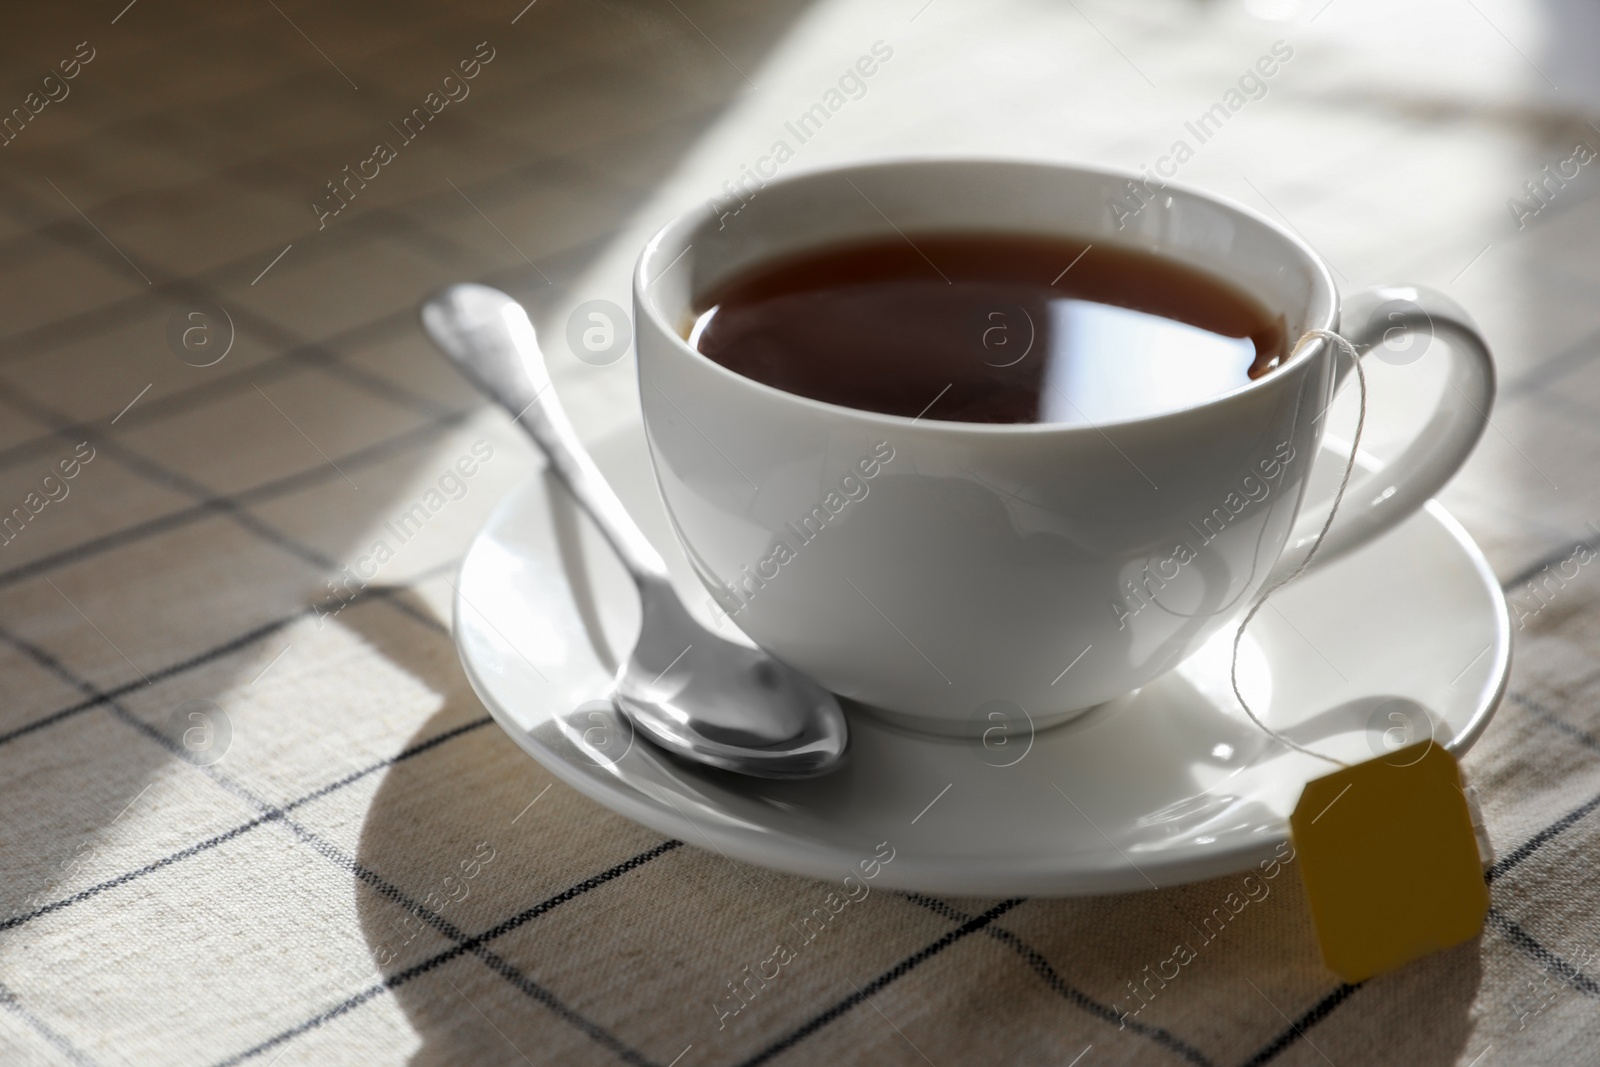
[928,568]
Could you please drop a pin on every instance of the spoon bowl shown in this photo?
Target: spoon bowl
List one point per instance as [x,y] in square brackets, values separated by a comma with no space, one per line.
[698,694]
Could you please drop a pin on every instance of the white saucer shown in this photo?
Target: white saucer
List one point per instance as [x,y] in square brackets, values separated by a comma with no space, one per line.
[1167,785]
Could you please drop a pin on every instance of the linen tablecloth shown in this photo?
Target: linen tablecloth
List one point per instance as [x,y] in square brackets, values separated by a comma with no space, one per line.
[250,810]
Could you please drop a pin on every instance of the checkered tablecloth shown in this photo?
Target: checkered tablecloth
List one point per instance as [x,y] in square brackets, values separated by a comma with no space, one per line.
[250,810]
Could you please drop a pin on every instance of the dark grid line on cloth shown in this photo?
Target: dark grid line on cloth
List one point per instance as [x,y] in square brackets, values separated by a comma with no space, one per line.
[1311,1017]
[1558,555]
[386,593]
[213,505]
[325,358]
[67,233]
[1326,1006]
[1543,837]
[161,475]
[322,355]
[400,978]
[302,350]
[334,351]
[43,1029]
[290,353]
[899,970]
[1550,718]
[1314,1015]
[1509,928]
[269,811]
[374,223]
[210,503]
[1334,999]
[363,230]
[87,325]
[38,219]
[384,888]
[1525,943]
[1548,960]
[44,658]
[1551,831]
[217,503]
[236,505]
[228,835]
[1047,974]
[269,370]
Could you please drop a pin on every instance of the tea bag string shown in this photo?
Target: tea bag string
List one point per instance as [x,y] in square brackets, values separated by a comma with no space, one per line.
[1344,483]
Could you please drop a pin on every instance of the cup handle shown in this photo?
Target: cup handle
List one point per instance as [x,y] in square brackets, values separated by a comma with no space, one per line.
[1399,322]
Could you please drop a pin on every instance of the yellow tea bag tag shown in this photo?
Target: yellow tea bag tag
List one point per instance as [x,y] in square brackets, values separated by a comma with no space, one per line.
[1390,861]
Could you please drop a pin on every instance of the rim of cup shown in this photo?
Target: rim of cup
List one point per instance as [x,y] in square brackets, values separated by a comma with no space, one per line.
[674,240]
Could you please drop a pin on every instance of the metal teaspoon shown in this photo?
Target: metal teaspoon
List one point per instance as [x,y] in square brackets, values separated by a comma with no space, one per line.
[691,692]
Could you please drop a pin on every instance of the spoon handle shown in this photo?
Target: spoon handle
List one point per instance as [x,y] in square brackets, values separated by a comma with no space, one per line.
[490,339]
